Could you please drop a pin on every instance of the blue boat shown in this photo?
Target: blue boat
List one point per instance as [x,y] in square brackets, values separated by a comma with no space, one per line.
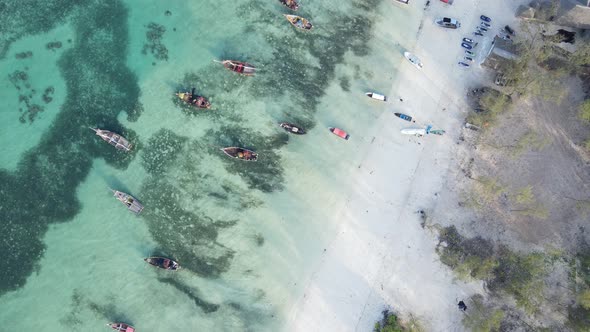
[403,116]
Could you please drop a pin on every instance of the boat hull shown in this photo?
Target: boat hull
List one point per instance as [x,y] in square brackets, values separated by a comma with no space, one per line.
[114,139]
[413,60]
[376,96]
[163,263]
[131,202]
[121,327]
[339,132]
[243,68]
[240,153]
[291,128]
[299,22]
[414,131]
[403,116]
[291,4]
[194,100]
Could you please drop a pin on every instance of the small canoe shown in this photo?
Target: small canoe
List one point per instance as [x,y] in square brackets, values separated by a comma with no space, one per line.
[413,59]
[192,99]
[291,128]
[163,263]
[414,131]
[121,327]
[299,22]
[131,202]
[376,96]
[116,140]
[403,116]
[339,132]
[240,153]
[243,68]
[291,4]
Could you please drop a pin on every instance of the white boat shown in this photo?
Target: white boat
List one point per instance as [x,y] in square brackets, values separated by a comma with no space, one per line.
[413,59]
[414,131]
[376,96]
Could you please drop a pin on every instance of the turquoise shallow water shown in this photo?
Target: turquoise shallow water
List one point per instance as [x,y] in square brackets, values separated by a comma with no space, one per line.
[247,234]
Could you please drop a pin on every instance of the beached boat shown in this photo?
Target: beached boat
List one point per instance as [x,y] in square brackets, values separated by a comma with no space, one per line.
[291,4]
[339,132]
[376,96]
[447,22]
[243,68]
[194,100]
[403,116]
[405,2]
[116,140]
[293,129]
[299,22]
[132,204]
[414,131]
[240,153]
[413,59]
[121,327]
[163,263]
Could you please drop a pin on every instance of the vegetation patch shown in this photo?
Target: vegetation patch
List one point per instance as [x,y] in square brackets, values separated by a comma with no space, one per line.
[391,323]
[504,272]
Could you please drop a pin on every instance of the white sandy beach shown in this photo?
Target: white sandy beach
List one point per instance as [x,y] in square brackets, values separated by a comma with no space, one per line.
[380,257]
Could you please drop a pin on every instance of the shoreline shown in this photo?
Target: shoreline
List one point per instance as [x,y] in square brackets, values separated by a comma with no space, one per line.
[381,258]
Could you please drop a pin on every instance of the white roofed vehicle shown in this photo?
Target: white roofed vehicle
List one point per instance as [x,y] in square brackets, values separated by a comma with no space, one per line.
[447,22]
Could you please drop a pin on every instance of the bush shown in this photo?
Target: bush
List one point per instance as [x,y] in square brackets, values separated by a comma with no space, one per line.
[482,318]
[584,112]
[493,102]
[391,323]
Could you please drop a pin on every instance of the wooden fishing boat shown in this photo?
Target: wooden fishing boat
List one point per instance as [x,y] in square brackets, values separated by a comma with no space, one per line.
[243,68]
[375,95]
[121,327]
[299,22]
[116,140]
[414,131]
[291,4]
[403,116]
[194,100]
[293,129]
[339,132]
[240,153]
[131,202]
[163,263]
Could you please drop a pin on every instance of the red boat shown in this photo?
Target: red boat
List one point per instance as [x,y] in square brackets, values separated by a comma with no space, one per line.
[339,132]
[243,68]
[121,327]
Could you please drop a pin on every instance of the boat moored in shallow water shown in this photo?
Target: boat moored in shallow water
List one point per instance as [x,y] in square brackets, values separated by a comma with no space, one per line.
[116,140]
[240,153]
[163,263]
[239,67]
[299,22]
[194,100]
[291,128]
[131,202]
[375,95]
[291,4]
[121,327]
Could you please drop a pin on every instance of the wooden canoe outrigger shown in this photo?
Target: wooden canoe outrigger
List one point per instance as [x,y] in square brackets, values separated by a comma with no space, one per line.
[131,202]
[116,140]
